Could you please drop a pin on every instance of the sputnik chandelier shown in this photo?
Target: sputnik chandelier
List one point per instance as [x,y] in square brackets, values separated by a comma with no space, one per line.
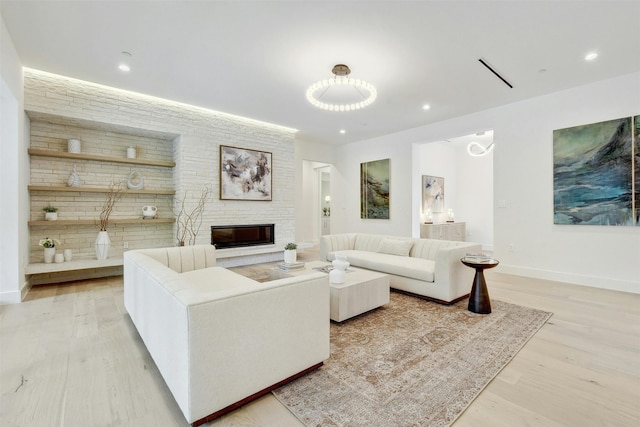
[341,79]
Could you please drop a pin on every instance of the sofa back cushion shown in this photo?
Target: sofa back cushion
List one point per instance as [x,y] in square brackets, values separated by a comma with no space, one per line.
[395,247]
[428,248]
[184,258]
[367,242]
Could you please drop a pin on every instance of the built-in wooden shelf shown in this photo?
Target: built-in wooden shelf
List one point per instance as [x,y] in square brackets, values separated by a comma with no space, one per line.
[97,221]
[80,264]
[94,190]
[81,156]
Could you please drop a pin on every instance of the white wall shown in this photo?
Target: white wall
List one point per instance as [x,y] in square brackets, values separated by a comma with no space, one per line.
[14,170]
[468,187]
[607,257]
[345,210]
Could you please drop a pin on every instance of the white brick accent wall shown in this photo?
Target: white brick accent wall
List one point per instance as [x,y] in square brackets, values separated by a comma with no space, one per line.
[117,119]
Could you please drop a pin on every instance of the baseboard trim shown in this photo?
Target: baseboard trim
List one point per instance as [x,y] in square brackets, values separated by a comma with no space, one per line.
[254,396]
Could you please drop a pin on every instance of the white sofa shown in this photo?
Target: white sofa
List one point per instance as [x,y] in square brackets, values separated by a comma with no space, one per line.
[220,339]
[428,268]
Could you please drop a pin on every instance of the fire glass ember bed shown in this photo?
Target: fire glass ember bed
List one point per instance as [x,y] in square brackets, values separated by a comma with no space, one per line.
[233,236]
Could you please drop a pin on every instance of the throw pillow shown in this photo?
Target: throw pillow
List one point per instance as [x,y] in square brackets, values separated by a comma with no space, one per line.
[395,247]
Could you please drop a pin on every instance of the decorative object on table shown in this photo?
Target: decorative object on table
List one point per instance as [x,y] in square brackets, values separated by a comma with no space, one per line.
[103,242]
[450,215]
[149,212]
[429,217]
[432,194]
[50,213]
[68,255]
[135,181]
[131,152]
[290,253]
[49,246]
[340,265]
[59,258]
[188,223]
[245,174]
[73,146]
[594,174]
[290,266]
[374,189]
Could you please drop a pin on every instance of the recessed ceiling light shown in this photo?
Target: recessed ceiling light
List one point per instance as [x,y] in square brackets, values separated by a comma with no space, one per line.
[591,56]
[342,131]
[124,67]
[426,107]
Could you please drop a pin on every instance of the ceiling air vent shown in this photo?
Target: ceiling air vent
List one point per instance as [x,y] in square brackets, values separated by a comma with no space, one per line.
[483,62]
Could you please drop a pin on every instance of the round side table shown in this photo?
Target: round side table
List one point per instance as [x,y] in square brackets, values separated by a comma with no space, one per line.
[479,301]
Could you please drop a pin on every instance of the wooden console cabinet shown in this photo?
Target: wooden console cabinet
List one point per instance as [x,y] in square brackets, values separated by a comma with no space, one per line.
[444,231]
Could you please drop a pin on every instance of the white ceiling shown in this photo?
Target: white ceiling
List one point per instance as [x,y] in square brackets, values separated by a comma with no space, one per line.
[257,58]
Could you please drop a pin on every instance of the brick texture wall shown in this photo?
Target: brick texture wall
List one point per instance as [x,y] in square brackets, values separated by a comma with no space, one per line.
[107,121]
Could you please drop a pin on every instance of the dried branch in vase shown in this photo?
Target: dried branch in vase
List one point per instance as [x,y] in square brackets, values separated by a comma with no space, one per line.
[116,191]
[188,223]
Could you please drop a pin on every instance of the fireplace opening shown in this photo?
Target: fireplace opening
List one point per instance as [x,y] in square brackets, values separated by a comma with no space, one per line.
[233,236]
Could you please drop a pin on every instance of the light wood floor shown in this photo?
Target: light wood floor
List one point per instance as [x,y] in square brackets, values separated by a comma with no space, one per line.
[70,356]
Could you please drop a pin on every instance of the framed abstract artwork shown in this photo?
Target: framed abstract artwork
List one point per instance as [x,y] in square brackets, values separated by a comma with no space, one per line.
[245,174]
[432,194]
[374,189]
[593,174]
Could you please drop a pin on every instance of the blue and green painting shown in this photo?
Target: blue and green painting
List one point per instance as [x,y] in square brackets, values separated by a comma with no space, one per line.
[593,173]
[374,189]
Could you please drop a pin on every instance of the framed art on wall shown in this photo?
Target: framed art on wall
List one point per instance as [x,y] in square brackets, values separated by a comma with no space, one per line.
[374,189]
[432,194]
[245,174]
[593,173]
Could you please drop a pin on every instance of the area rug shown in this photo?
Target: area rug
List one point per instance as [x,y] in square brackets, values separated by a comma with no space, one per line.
[410,363]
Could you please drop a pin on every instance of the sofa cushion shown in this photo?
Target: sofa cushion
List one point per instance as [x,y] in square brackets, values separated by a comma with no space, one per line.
[414,268]
[395,247]
[367,242]
[197,286]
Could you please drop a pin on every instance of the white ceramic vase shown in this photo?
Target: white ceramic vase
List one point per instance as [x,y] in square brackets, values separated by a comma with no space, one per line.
[340,265]
[49,255]
[290,256]
[51,216]
[73,146]
[68,255]
[102,245]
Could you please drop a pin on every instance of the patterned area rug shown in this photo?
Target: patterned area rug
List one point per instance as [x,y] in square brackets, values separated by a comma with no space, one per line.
[410,363]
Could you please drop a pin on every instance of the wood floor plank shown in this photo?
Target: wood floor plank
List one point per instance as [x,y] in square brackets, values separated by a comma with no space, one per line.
[70,355]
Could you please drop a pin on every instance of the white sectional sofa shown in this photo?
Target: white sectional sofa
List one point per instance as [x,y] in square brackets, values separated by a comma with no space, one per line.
[427,268]
[220,339]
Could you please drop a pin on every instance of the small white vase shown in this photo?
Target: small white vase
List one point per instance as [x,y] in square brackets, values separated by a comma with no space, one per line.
[131,153]
[59,258]
[51,216]
[290,256]
[340,265]
[102,245]
[68,255]
[73,146]
[49,255]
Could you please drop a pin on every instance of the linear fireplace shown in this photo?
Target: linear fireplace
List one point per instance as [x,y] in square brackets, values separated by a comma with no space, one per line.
[233,236]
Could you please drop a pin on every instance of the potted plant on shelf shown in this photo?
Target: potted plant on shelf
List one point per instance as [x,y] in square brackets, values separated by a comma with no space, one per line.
[50,213]
[103,243]
[290,253]
[49,246]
